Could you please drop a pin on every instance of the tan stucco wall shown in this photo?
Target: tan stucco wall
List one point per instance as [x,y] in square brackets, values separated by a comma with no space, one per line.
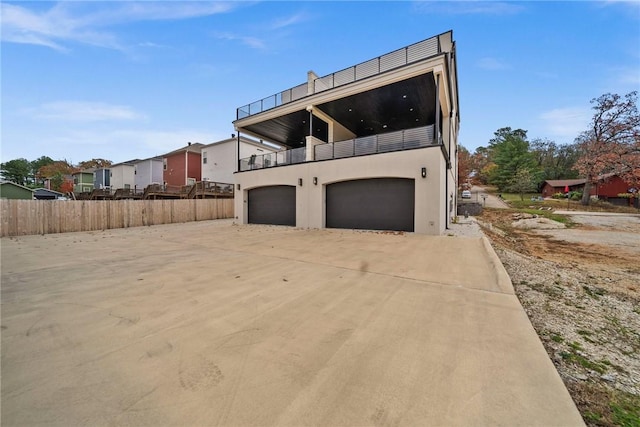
[430,200]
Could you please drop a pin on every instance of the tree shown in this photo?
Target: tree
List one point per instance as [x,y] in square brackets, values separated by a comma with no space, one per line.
[510,152]
[61,167]
[36,165]
[464,165]
[523,182]
[480,164]
[95,163]
[555,161]
[18,171]
[611,142]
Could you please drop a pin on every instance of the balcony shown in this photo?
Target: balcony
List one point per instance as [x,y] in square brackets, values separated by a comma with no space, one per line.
[398,58]
[407,139]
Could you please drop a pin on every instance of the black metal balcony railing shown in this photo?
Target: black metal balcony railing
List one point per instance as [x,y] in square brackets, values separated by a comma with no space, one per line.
[406,55]
[383,143]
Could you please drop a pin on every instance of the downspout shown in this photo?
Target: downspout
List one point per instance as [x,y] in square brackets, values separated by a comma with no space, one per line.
[238,151]
[186,166]
[446,187]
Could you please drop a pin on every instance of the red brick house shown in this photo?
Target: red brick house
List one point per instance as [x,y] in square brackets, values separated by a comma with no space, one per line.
[183,166]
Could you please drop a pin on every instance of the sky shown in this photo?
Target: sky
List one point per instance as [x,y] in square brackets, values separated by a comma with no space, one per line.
[121,80]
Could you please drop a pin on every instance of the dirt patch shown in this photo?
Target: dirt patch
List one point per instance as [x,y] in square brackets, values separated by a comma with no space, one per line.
[582,295]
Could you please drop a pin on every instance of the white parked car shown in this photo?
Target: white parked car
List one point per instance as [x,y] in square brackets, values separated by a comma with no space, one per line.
[466,194]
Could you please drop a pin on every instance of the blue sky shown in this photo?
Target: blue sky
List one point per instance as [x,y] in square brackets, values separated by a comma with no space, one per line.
[123,80]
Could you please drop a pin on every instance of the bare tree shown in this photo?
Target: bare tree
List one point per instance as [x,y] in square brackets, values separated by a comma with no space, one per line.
[611,143]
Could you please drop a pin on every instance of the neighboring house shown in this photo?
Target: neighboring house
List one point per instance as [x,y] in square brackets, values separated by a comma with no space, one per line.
[370,147]
[46,194]
[183,166]
[83,181]
[147,172]
[219,159]
[11,190]
[102,178]
[555,186]
[608,186]
[122,175]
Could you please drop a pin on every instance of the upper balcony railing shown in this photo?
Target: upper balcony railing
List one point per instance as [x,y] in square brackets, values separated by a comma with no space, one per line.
[406,55]
[383,143]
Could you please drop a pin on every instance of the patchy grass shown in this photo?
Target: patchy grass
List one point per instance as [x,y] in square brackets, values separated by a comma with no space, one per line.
[626,410]
[606,407]
[594,205]
[564,219]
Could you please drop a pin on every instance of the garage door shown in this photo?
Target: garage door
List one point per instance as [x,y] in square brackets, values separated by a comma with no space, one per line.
[273,205]
[371,204]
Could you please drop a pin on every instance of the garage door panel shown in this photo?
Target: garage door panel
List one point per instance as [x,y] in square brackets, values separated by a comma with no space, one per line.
[274,205]
[371,204]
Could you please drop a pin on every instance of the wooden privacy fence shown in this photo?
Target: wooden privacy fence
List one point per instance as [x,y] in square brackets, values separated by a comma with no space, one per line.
[24,217]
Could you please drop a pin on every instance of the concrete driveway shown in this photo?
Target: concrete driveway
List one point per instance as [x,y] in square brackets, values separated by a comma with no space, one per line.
[488,200]
[209,323]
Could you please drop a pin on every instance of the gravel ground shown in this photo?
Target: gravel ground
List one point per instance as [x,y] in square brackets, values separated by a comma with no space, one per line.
[580,288]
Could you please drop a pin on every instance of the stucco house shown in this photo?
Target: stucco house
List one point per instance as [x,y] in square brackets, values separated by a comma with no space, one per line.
[372,146]
[11,190]
[148,171]
[219,158]
[183,166]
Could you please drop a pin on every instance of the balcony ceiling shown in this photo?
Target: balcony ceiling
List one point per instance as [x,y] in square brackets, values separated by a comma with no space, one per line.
[402,105]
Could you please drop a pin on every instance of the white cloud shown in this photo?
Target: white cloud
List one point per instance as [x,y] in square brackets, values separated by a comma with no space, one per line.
[627,76]
[85,22]
[473,7]
[252,42]
[288,21]
[489,63]
[566,123]
[79,111]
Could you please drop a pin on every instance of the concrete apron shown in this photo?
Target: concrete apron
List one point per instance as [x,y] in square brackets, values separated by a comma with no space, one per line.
[216,324]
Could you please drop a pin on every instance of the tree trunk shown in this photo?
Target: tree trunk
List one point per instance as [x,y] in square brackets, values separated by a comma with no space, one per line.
[585,194]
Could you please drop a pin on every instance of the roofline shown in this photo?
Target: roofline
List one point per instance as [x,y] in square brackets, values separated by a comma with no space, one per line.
[17,185]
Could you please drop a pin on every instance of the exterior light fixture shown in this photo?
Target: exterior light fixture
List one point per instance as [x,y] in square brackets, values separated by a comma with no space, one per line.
[300,182]
[424,172]
[238,187]
[315,180]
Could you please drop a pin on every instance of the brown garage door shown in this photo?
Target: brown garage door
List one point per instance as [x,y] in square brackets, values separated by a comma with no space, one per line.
[371,204]
[273,205]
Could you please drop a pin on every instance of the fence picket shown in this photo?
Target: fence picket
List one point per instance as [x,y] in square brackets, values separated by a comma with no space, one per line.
[27,217]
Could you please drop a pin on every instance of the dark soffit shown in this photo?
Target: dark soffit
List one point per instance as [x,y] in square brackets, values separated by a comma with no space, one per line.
[402,105]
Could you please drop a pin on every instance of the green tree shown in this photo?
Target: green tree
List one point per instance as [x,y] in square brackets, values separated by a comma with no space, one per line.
[510,152]
[522,182]
[17,170]
[35,167]
[555,161]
